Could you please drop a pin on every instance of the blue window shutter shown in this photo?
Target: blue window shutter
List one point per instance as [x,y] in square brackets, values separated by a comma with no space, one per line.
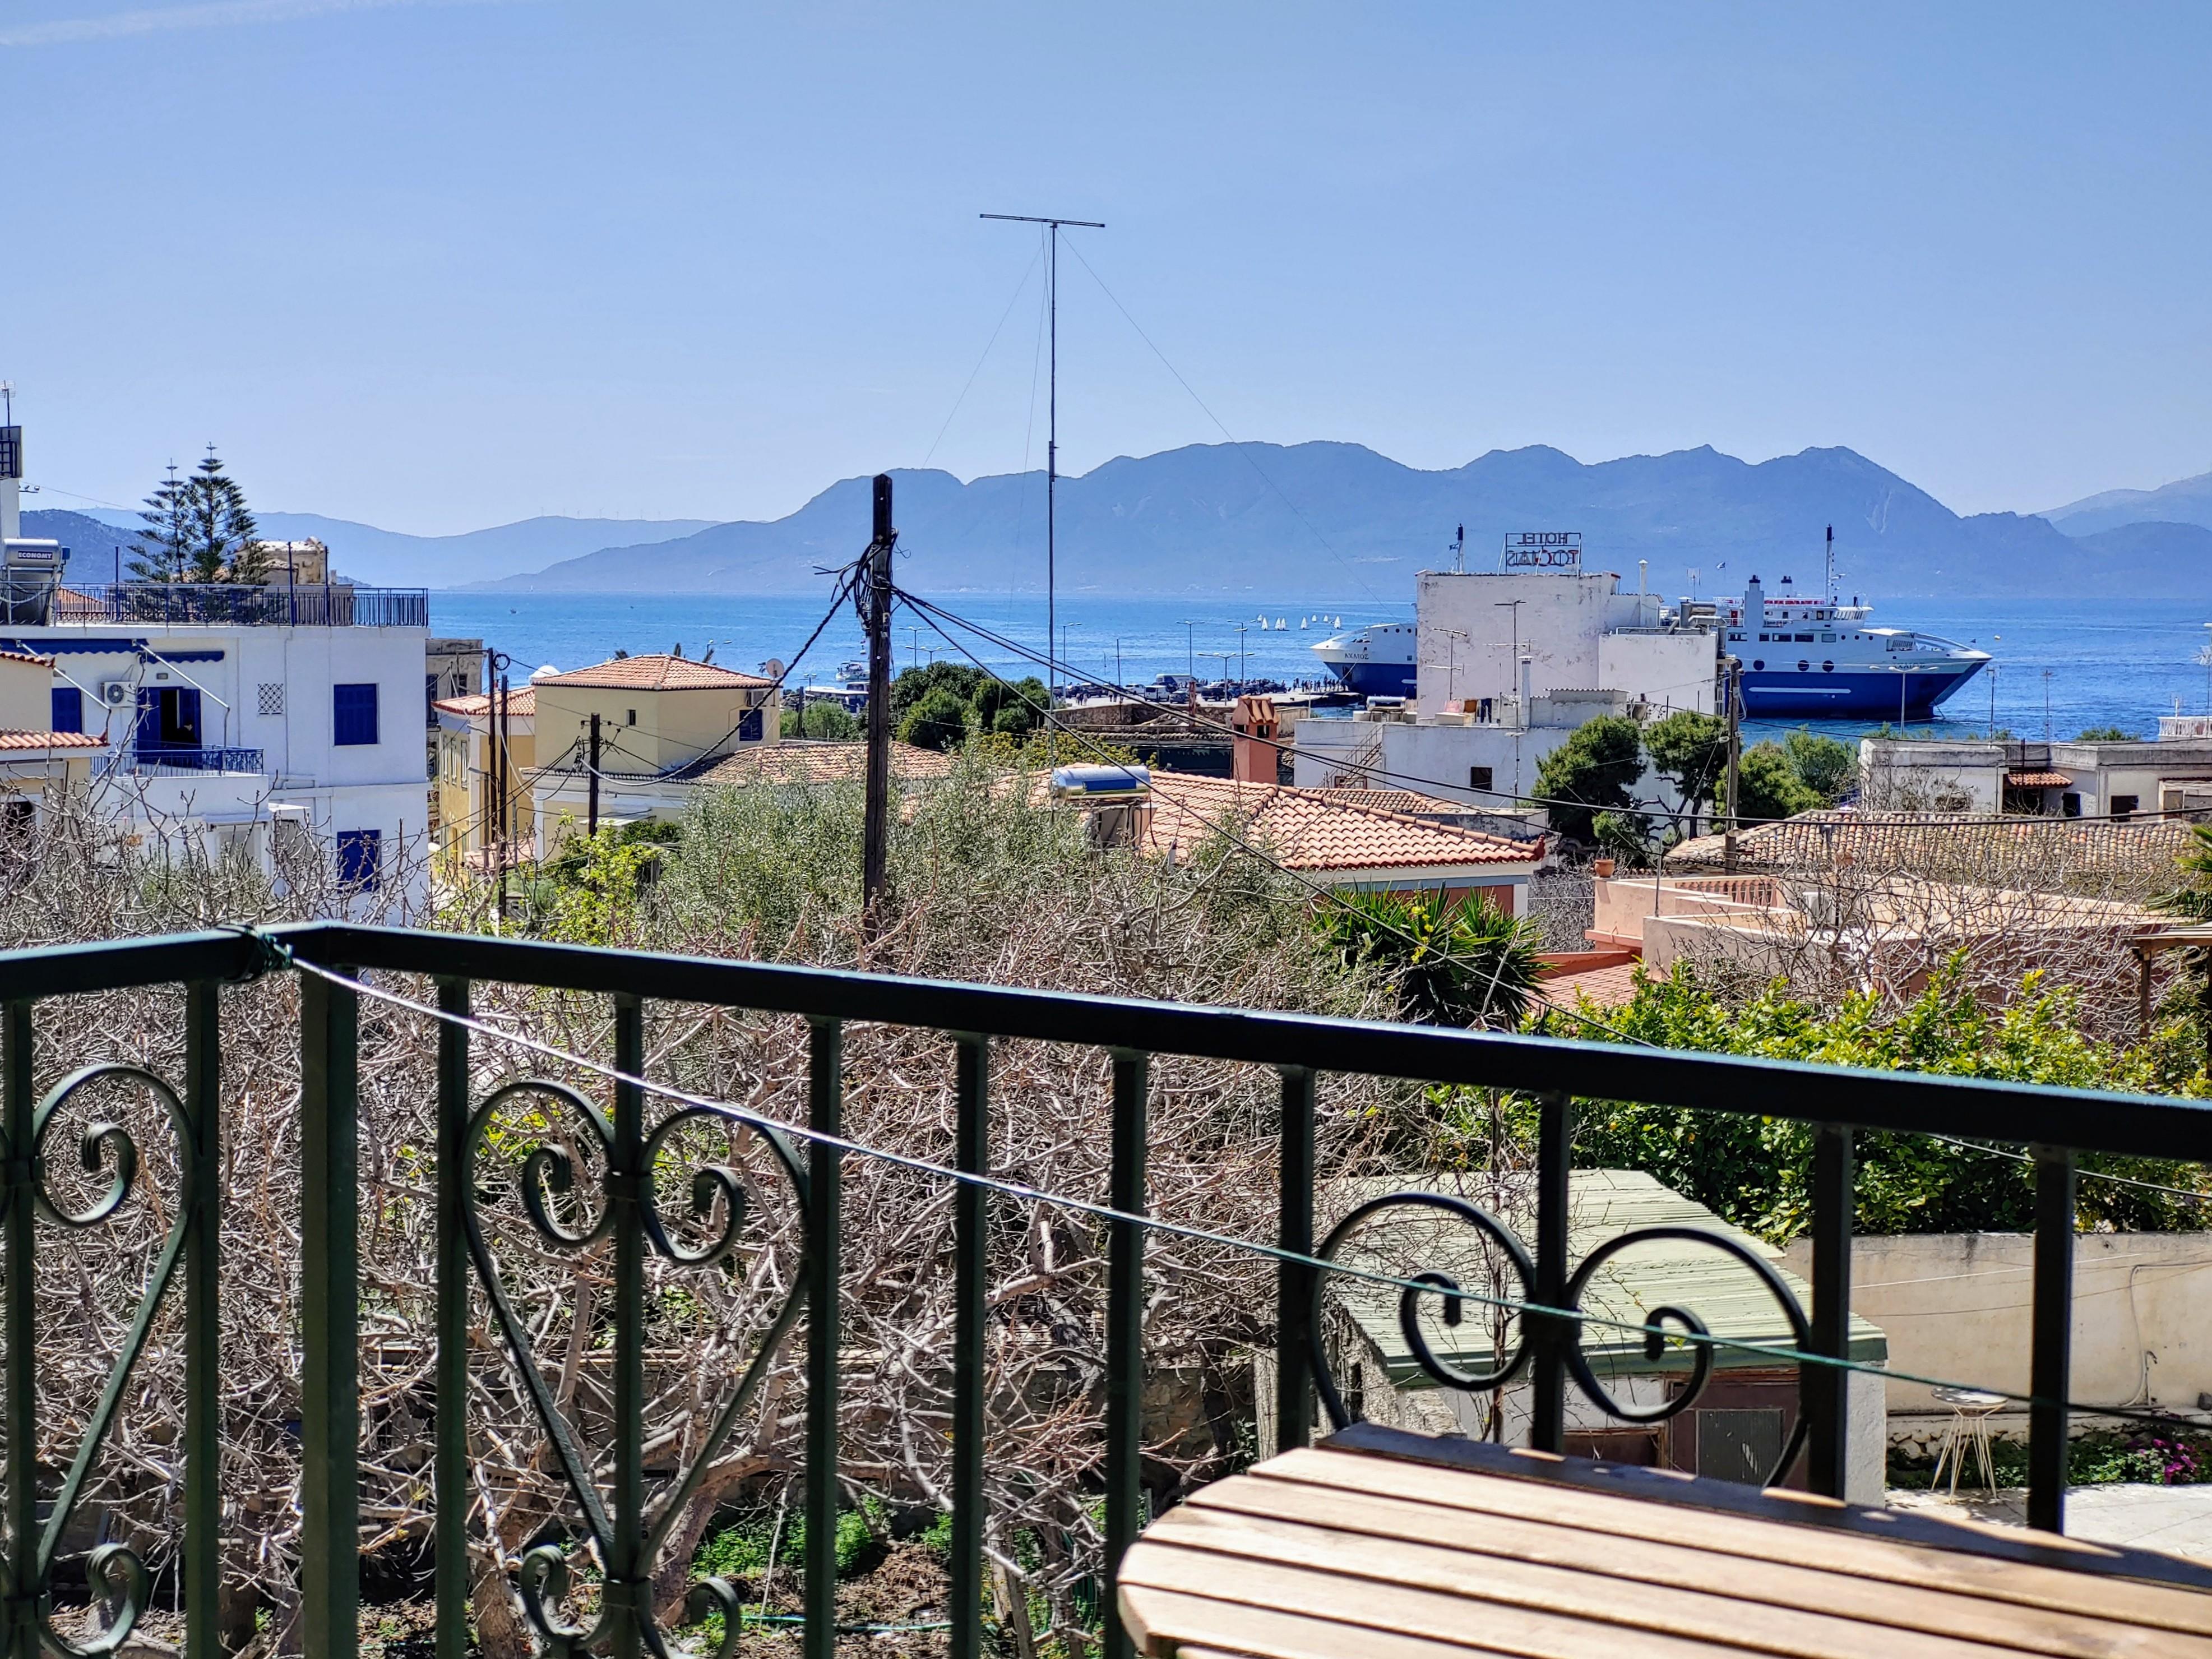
[353,715]
[359,852]
[69,709]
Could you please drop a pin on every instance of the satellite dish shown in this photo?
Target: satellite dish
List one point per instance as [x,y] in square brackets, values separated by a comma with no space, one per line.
[773,668]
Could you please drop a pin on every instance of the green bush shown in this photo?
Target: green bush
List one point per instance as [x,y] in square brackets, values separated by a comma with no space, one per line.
[938,720]
[1591,772]
[1756,1172]
[823,719]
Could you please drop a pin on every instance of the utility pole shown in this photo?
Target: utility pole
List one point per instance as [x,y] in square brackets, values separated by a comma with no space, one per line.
[1053,227]
[504,767]
[1735,667]
[875,837]
[592,788]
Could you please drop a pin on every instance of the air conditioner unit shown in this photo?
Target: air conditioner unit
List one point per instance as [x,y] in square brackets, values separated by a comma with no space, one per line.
[117,693]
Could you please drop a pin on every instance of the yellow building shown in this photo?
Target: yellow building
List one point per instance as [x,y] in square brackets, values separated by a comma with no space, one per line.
[468,820]
[657,713]
[35,755]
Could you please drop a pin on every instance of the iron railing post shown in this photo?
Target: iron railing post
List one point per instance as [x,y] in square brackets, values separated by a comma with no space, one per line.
[22,1504]
[1547,1426]
[627,1178]
[1824,1391]
[1125,1338]
[330,1320]
[826,1114]
[972,1221]
[450,1478]
[1294,1232]
[2050,1370]
[203,1543]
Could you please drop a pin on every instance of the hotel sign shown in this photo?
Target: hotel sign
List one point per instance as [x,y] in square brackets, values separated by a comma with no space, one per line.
[1543,549]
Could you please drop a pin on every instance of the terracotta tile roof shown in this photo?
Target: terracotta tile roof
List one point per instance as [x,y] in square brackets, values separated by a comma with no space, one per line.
[1411,802]
[1305,829]
[13,739]
[2037,780]
[813,761]
[30,657]
[521,703]
[657,672]
[2009,851]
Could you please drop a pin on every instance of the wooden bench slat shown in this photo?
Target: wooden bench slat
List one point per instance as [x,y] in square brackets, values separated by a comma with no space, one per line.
[1387,1448]
[1722,1621]
[1171,1625]
[1251,1591]
[1668,1565]
[1962,1568]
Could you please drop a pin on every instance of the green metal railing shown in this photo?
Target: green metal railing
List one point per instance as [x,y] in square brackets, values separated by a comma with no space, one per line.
[629,1522]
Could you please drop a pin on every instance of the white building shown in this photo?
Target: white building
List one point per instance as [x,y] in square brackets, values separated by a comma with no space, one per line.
[1509,665]
[239,715]
[2120,780]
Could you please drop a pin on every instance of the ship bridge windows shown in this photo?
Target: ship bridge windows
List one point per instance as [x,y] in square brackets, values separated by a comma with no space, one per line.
[1804,639]
[1827,639]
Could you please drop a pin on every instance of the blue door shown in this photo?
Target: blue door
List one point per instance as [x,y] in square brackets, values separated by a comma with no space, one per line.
[168,719]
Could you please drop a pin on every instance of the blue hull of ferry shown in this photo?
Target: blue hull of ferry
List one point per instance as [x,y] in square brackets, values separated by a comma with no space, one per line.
[1785,694]
[1377,679]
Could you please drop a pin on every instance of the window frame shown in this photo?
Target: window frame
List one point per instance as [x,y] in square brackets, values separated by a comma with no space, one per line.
[345,722]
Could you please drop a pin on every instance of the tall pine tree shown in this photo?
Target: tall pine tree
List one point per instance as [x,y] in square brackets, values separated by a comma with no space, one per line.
[199,529]
[160,555]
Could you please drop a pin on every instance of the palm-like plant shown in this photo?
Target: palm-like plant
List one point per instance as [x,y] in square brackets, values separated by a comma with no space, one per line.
[1455,961]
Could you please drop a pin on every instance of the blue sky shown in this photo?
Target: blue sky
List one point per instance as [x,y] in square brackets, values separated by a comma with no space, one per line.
[438,265]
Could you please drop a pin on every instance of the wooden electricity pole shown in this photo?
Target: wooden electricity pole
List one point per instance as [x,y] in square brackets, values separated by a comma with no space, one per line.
[592,788]
[876,575]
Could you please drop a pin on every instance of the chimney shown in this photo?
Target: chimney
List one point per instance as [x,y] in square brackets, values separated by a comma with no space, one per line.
[1253,756]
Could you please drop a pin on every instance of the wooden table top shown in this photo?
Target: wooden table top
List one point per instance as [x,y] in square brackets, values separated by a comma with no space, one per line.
[1384,1545]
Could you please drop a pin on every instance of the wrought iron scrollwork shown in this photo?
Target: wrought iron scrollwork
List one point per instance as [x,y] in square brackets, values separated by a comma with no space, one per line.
[1660,1323]
[626,1200]
[105,1150]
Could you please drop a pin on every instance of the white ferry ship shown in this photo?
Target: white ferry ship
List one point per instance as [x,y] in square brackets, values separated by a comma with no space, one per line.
[1812,658]
[1373,662]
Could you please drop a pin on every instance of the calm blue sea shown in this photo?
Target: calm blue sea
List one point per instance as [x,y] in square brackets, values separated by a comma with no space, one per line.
[2061,665]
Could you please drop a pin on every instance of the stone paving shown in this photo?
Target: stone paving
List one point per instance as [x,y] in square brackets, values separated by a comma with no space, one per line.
[2176,1520]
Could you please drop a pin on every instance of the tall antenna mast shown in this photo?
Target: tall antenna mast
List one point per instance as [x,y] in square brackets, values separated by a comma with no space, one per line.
[1831,564]
[1052,430]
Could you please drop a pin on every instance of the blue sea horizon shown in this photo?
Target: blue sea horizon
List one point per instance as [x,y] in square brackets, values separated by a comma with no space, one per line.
[2099,662]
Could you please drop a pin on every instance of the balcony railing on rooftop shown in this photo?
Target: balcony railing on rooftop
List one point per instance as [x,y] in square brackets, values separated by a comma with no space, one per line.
[154,761]
[339,964]
[242,605]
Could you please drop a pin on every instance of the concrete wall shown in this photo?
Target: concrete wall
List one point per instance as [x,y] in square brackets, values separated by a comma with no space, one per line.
[2101,771]
[1957,1306]
[1467,630]
[1929,777]
[27,702]
[1671,671]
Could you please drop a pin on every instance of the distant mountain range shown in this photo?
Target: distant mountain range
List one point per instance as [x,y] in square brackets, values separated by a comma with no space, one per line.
[1340,520]
[389,559]
[1328,521]
[2186,500]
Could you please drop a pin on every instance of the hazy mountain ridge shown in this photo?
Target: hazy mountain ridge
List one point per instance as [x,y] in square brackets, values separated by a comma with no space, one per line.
[1340,520]
[2185,501]
[391,558]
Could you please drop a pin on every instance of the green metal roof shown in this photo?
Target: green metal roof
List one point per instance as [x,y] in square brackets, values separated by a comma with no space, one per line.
[1603,1205]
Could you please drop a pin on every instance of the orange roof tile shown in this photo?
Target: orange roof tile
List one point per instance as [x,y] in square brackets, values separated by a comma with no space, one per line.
[656,671]
[521,703]
[1408,801]
[30,657]
[1307,830]
[1608,987]
[13,739]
